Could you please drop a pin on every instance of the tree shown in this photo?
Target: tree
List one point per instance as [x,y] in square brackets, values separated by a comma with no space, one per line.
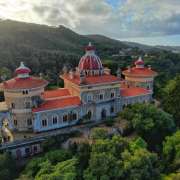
[171,98]
[173,176]
[99,133]
[151,123]
[7,167]
[171,152]
[38,165]
[140,164]
[65,170]
[117,158]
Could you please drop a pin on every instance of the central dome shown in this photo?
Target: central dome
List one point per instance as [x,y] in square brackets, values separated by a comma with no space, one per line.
[90,61]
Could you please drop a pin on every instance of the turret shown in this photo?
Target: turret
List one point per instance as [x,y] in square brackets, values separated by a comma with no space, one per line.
[22,93]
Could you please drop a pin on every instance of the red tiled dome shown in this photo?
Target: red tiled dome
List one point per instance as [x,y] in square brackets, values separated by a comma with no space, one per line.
[90,61]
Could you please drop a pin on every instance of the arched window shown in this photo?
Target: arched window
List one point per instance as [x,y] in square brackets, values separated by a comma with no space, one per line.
[112,109]
[101,96]
[74,116]
[89,114]
[55,119]
[44,122]
[15,122]
[65,118]
[29,122]
[112,95]
[12,105]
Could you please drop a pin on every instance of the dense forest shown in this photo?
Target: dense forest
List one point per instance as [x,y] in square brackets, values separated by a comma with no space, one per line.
[149,148]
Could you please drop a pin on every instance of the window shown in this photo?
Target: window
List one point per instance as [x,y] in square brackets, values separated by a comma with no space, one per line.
[65,118]
[12,105]
[101,96]
[27,151]
[25,92]
[35,149]
[89,114]
[89,98]
[112,109]
[44,122]
[55,119]
[29,122]
[112,95]
[15,122]
[74,116]
[27,104]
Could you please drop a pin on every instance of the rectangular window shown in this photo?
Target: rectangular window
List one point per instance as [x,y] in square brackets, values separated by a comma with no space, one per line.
[89,98]
[27,104]
[29,122]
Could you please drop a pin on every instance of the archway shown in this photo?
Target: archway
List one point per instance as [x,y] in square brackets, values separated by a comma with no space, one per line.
[103,114]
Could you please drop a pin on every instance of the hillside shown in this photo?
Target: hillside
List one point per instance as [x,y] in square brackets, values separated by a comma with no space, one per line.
[47,49]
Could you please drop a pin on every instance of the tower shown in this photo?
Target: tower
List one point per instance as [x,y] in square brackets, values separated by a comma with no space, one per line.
[22,93]
[139,75]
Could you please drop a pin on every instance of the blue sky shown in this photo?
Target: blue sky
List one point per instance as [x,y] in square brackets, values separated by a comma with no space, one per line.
[154,22]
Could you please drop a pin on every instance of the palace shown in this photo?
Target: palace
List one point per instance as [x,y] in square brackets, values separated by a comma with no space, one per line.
[90,93]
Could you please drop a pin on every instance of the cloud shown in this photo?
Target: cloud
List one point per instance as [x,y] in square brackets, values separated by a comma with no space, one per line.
[121,18]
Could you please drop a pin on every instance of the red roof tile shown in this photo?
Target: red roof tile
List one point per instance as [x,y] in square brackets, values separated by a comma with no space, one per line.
[134,91]
[94,79]
[140,72]
[56,93]
[26,83]
[58,103]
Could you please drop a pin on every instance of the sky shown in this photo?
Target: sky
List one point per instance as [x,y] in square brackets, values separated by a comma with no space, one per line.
[154,22]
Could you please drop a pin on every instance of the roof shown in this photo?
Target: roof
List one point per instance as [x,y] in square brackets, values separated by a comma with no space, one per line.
[134,91]
[23,83]
[90,80]
[58,103]
[56,93]
[140,72]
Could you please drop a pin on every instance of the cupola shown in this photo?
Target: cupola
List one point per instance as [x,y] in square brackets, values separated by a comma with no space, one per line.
[90,63]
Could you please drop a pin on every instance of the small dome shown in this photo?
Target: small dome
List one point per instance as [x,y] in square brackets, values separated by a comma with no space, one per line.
[139,62]
[22,69]
[90,61]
